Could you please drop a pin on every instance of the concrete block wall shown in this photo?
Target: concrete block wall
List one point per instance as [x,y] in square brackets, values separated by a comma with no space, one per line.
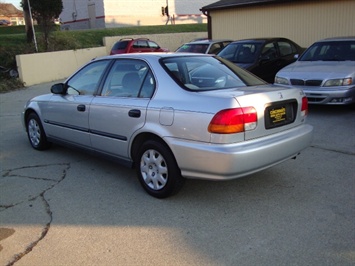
[46,67]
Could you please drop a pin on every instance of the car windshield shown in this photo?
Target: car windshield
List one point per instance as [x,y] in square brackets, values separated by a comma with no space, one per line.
[199,73]
[241,52]
[330,51]
[193,48]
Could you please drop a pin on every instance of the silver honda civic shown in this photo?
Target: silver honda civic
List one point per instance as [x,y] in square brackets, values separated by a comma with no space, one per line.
[172,116]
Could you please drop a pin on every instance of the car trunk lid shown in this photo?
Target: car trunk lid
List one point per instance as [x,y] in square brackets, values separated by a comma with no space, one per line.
[278,108]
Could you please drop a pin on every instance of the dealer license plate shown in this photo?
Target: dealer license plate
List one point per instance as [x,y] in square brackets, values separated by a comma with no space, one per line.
[280,113]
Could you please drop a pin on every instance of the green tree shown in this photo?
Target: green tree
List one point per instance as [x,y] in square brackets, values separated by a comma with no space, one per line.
[44,11]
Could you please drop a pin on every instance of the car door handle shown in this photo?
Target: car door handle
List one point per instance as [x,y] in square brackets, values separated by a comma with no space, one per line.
[134,113]
[81,108]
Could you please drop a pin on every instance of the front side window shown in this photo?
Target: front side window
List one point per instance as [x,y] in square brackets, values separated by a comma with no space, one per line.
[129,78]
[140,44]
[86,80]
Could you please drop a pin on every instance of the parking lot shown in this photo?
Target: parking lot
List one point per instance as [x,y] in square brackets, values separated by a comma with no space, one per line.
[64,207]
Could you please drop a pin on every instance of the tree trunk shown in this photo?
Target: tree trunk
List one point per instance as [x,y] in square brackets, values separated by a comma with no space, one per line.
[28,23]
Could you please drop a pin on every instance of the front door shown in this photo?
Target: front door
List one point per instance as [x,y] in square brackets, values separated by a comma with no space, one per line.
[67,116]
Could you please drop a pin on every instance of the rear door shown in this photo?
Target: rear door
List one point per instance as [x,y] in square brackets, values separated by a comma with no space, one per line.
[120,110]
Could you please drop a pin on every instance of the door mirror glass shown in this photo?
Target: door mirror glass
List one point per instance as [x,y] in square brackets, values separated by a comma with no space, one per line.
[58,88]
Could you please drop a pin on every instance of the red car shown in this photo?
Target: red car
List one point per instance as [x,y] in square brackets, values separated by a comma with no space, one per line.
[141,45]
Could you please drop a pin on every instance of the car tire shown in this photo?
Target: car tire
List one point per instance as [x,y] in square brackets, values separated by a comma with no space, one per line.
[157,170]
[35,133]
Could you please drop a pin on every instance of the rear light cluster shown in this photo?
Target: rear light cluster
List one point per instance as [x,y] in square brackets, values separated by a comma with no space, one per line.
[304,107]
[234,120]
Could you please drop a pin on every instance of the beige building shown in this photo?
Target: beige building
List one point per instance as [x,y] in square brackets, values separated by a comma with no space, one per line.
[91,14]
[303,21]
[11,13]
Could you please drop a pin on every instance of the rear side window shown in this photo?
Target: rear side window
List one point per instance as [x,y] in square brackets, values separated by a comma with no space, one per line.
[120,45]
[129,78]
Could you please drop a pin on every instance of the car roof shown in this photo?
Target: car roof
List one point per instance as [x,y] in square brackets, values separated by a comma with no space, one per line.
[208,41]
[151,55]
[132,39]
[345,38]
[266,39]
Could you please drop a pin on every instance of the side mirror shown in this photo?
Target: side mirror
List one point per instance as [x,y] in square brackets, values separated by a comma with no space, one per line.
[58,88]
[296,56]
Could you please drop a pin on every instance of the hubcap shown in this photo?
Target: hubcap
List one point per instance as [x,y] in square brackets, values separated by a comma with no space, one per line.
[34,132]
[154,169]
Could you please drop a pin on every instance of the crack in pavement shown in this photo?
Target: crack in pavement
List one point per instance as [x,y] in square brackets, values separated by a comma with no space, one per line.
[333,150]
[12,173]
[29,248]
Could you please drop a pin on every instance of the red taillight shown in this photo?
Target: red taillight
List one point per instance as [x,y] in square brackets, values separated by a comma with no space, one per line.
[235,120]
[304,108]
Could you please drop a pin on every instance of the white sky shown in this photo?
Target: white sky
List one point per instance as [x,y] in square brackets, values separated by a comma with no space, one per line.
[16,3]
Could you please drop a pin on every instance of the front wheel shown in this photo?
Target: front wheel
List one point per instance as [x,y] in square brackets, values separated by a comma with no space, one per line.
[157,170]
[35,133]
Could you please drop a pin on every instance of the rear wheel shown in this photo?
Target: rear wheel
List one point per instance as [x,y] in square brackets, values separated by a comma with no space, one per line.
[157,170]
[35,133]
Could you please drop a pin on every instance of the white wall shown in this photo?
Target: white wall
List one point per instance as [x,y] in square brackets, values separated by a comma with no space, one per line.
[122,13]
[46,67]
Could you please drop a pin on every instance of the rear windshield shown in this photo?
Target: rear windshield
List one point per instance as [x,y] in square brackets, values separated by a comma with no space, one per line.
[200,73]
[330,51]
[120,45]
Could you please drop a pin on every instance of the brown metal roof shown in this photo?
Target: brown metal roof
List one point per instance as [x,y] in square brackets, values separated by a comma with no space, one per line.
[9,10]
[225,4]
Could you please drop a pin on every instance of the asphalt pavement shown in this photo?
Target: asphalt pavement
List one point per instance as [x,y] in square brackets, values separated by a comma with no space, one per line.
[64,207]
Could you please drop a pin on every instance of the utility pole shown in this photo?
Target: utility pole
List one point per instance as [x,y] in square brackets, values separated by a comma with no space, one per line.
[33,28]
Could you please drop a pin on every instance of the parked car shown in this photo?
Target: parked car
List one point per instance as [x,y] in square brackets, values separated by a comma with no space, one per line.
[325,72]
[203,46]
[262,56]
[140,45]
[4,22]
[172,116]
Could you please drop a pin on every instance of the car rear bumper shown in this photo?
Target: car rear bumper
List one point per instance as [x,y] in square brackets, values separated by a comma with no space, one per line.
[228,161]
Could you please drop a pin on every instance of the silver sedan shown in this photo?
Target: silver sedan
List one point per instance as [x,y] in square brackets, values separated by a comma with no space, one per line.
[172,116]
[325,72]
